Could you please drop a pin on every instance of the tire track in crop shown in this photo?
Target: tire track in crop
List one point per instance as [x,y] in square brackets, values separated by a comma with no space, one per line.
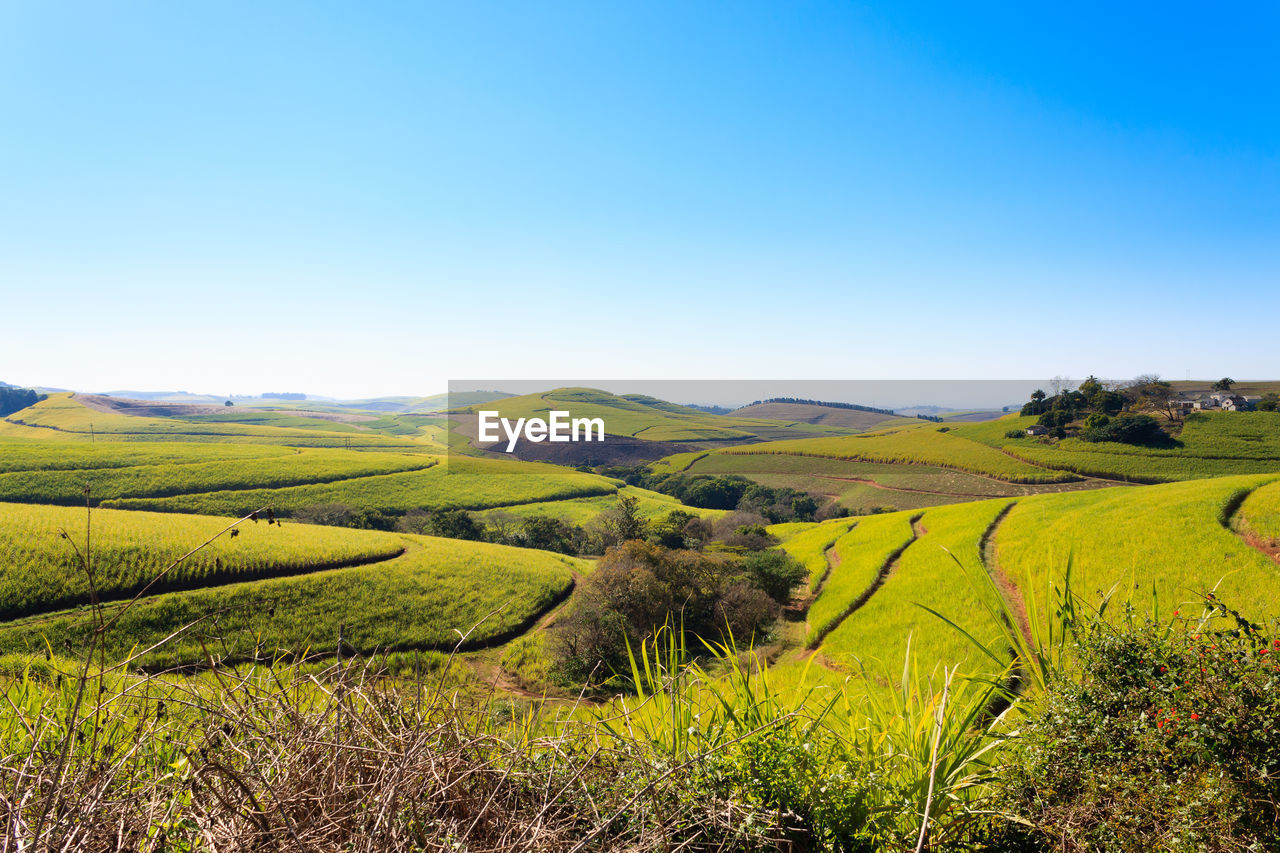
[798,610]
[877,485]
[1231,519]
[887,568]
[219,578]
[1015,603]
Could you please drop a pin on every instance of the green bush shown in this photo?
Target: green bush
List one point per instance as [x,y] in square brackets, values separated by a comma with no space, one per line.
[1164,740]
[1132,429]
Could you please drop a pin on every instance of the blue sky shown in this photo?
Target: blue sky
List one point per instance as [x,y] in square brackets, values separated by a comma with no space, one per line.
[359,199]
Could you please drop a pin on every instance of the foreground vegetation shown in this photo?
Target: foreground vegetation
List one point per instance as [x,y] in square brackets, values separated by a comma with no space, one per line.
[1171,719]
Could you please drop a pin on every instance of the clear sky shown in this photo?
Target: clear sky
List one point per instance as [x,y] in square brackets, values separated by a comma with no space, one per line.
[369,198]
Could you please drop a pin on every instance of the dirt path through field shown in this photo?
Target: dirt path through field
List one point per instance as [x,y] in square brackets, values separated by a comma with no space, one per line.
[886,570]
[1008,587]
[1238,524]
[876,485]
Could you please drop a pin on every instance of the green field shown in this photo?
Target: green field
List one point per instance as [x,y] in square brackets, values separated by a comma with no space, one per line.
[1168,541]
[39,570]
[1259,515]
[43,454]
[63,416]
[650,419]
[650,505]
[927,574]
[864,486]
[457,483]
[169,478]
[923,445]
[425,599]
[1209,444]
[862,553]
[1136,467]
[808,543]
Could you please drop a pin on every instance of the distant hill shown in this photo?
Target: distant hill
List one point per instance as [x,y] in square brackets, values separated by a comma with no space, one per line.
[843,416]
[642,420]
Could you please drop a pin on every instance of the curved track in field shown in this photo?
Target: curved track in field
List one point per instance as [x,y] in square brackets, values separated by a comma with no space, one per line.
[1016,606]
[1231,520]
[883,574]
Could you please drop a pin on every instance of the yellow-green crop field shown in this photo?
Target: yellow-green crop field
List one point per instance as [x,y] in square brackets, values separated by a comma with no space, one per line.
[648,418]
[169,478]
[1259,515]
[922,445]
[649,505]
[428,598]
[39,569]
[1137,468]
[1210,444]
[37,454]
[938,569]
[1172,541]
[62,413]
[809,544]
[862,553]
[456,483]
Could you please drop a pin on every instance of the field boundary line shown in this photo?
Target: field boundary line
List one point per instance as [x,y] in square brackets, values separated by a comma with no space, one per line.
[1231,519]
[214,580]
[79,500]
[882,574]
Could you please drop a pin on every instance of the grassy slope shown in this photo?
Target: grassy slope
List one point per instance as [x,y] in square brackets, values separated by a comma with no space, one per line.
[1211,444]
[922,445]
[42,453]
[1259,515]
[39,570]
[63,414]
[650,505]
[1169,538]
[862,552]
[457,483]
[169,478]
[926,574]
[423,600]
[648,418]
[808,543]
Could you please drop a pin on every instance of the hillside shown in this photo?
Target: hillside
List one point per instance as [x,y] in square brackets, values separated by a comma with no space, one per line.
[1157,548]
[917,465]
[93,417]
[270,590]
[637,427]
[811,413]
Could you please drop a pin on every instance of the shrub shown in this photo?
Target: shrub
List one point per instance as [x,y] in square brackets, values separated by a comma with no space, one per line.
[1163,740]
[639,587]
[1131,429]
[775,573]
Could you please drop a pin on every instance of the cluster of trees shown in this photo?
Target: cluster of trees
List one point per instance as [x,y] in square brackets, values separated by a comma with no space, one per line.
[732,492]
[797,401]
[639,587]
[15,399]
[1106,409]
[737,532]
[711,578]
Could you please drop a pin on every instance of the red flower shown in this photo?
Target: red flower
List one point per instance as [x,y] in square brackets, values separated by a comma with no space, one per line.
[1175,613]
[1195,716]
[1160,724]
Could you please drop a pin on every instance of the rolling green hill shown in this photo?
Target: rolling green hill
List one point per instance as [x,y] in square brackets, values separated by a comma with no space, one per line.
[647,418]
